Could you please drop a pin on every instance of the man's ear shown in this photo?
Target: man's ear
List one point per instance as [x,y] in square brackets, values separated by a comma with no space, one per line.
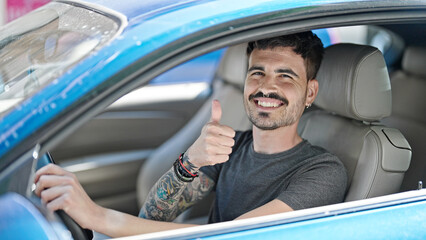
[312,91]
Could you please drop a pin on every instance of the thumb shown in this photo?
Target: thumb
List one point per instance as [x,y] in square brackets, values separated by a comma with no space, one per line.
[216,111]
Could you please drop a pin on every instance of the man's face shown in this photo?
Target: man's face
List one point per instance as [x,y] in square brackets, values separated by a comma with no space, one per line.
[275,88]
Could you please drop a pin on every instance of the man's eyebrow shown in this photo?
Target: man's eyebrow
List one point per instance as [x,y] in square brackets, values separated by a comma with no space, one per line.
[288,71]
[256,68]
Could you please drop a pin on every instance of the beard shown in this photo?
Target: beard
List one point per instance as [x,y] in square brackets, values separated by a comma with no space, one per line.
[284,116]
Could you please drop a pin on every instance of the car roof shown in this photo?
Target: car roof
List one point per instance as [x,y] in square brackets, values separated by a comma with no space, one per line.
[133,9]
[150,9]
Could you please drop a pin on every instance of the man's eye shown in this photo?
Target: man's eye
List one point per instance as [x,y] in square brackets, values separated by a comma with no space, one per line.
[257,74]
[286,76]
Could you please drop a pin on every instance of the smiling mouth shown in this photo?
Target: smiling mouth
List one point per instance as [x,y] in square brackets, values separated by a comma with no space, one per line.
[268,103]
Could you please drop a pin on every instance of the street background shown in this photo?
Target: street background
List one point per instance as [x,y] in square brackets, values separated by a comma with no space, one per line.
[12,9]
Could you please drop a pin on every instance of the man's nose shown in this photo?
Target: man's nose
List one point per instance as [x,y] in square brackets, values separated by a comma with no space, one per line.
[268,85]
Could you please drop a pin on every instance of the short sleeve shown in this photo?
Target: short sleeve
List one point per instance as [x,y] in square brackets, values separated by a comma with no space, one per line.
[321,183]
[212,171]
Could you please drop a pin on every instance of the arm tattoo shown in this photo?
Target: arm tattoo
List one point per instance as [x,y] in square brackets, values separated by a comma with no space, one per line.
[170,196]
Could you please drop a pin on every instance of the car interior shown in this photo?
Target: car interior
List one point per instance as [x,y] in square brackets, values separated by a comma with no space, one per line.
[369,112]
[408,110]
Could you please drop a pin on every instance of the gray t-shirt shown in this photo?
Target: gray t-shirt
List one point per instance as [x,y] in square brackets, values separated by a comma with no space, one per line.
[302,177]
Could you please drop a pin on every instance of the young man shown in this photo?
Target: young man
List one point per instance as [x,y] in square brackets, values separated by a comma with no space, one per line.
[270,169]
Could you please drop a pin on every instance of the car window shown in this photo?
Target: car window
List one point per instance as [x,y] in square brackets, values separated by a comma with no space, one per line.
[390,44]
[40,46]
[200,69]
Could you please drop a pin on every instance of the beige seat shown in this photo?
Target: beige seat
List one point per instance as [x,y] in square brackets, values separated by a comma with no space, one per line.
[354,94]
[228,89]
[409,111]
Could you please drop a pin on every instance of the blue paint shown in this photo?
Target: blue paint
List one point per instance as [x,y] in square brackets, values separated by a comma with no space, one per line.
[405,221]
[19,219]
[138,9]
[136,42]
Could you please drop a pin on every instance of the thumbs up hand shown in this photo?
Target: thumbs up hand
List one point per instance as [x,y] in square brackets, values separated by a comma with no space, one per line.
[215,142]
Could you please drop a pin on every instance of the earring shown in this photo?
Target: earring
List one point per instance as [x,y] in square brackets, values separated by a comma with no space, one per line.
[308,105]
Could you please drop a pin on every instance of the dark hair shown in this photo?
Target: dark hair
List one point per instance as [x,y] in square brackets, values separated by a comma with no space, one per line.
[306,44]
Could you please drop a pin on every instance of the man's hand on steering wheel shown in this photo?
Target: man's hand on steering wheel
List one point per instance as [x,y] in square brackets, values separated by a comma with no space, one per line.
[60,190]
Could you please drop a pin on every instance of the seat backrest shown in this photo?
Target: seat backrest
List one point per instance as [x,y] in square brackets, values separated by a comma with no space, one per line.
[354,94]
[228,89]
[409,111]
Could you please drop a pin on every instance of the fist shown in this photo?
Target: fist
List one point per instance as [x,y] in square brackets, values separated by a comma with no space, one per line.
[60,189]
[215,142]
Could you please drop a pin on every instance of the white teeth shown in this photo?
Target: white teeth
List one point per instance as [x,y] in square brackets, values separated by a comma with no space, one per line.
[267,104]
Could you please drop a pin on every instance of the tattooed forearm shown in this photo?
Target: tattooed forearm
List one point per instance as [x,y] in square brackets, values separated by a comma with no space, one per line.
[163,198]
[197,190]
[170,196]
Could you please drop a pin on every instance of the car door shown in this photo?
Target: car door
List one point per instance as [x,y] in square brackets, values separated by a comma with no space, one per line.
[107,152]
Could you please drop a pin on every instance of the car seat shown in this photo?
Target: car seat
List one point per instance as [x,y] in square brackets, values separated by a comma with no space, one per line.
[354,95]
[409,111]
[228,89]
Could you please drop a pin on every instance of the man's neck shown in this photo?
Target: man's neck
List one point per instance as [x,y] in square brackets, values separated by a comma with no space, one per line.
[275,141]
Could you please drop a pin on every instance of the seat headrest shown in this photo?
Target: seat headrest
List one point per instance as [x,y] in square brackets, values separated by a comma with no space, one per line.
[354,82]
[233,65]
[413,61]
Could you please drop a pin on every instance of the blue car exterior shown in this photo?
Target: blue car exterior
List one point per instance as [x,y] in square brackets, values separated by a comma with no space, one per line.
[18,214]
[148,28]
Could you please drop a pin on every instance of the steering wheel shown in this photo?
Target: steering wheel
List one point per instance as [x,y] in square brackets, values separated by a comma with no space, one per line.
[75,229]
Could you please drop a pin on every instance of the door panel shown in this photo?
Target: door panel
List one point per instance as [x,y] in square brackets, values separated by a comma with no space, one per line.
[110,179]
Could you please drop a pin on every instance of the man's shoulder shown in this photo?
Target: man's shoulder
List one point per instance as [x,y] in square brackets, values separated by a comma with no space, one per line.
[316,149]
[320,155]
[319,151]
